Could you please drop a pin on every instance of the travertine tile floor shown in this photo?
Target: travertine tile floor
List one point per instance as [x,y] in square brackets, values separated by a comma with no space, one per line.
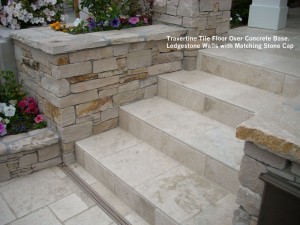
[49,197]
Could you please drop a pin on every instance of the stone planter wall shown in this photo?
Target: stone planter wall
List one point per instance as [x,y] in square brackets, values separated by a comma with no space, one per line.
[200,17]
[28,152]
[81,80]
[272,145]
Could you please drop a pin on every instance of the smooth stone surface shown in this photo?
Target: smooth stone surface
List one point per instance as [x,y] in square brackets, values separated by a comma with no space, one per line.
[6,214]
[180,193]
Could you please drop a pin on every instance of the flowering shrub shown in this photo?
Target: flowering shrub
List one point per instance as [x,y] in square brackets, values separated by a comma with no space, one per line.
[110,15]
[240,12]
[17,113]
[18,14]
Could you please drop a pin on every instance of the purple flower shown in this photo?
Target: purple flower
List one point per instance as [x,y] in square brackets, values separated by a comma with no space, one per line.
[2,129]
[115,23]
[133,20]
[92,24]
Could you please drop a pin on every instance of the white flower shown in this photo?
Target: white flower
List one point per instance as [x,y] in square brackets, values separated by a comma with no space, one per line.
[41,20]
[2,105]
[9,111]
[230,18]
[77,22]
[52,13]
[30,15]
[33,6]
[62,17]
[18,6]
[240,18]
[6,121]
[106,23]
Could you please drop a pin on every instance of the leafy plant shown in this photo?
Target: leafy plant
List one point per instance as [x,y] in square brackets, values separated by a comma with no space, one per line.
[9,88]
[240,12]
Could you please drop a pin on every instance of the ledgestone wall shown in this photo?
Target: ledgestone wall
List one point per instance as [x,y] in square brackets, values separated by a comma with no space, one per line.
[200,17]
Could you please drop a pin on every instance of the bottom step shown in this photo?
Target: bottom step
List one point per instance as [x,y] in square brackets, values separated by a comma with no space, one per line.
[158,188]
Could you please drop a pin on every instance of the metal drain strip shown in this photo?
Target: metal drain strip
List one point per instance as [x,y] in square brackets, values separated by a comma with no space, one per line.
[103,204]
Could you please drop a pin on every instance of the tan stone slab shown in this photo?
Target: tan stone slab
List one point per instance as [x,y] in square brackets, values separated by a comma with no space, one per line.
[6,214]
[276,129]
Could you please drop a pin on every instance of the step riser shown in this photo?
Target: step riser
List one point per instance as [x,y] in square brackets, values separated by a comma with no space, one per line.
[255,76]
[179,151]
[218,110]
[139,204]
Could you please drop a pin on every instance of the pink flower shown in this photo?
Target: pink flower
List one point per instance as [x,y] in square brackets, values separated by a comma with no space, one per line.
[133,20]
[146,20]
[22,104]
[39,118]
[2,129]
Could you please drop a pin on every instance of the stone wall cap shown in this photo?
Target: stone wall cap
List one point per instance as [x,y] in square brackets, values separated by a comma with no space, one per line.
[277,129]
[54,42]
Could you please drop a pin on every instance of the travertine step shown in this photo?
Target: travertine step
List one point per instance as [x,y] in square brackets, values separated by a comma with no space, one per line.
[226,101]
[158,188]
[200,143]
[261,69]
[118,205]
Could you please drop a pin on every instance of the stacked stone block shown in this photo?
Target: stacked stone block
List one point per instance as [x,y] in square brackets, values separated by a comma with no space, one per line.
[200,17]
[256,161]
[80,92]
[28,152]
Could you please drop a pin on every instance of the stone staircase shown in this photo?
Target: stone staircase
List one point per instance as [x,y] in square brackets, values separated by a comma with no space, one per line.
[174,159]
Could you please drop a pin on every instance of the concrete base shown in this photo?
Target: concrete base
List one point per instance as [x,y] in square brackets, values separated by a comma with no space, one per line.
[268,17]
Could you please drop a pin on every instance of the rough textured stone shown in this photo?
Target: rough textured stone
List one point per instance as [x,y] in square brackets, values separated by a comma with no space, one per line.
[264,156]
[249,174]
[128,96]
[93,106]
[107,125]
[91,54]
[71,70]
[58,87]
[295,169]
[11,138]
[37,131]
[249,200]
[4,172]
[68,147]
[189,8]
[168,57]
[172,10]
[164,68]
[34,142]
[3,149]
[168,19]
[49,152]
[110,114]
[79,98]
[50,163]
[194,22]
[104,65]
[69,158]
[76,132]
[62,117]
[82,78]
[133,85]
[206,5]
[120,49]
[28,160]
[225,4]
[139,59]
[160,6]
[240,217]
[93,84]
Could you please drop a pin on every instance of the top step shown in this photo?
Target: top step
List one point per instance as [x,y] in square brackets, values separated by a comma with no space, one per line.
[271,72]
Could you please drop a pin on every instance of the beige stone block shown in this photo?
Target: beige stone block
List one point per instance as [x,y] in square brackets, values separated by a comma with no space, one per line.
[128,96]
[11,138]
[71,70]
[92,107]
[69,158]
[108,92]
[47,164]
[171,10]
[122,64]
[160,6]
[162,88]
[120,49]
[3,149]
[62,117]
[260,78]
[148,81]
[189,63]
[249,200]
[249,174]
[75,99]
[91,54]
[58,87]
[45,58]
[49,152]
[173,2]
[164,68]
[206,5]
[104,126]
[222,27]
[133,85]
[189,8]
[139,59]
[168,19]
[211,22]
[110,114]
[226,15]
[139,46]
[76,132]
[103,65]
[82,78]
[4,174]
[28,160]
[168,57]
[68,147]
[225,5]
[93,84]
[194,22]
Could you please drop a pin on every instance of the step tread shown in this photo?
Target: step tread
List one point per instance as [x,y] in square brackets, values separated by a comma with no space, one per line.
[238,94]
[167,185]
[123,209]
[203,134]
[267,60]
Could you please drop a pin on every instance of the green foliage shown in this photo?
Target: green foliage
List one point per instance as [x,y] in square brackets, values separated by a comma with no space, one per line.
[9,88]
[240,12]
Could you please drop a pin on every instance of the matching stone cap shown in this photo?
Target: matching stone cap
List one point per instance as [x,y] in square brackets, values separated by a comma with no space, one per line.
[53,42]
[277,130]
